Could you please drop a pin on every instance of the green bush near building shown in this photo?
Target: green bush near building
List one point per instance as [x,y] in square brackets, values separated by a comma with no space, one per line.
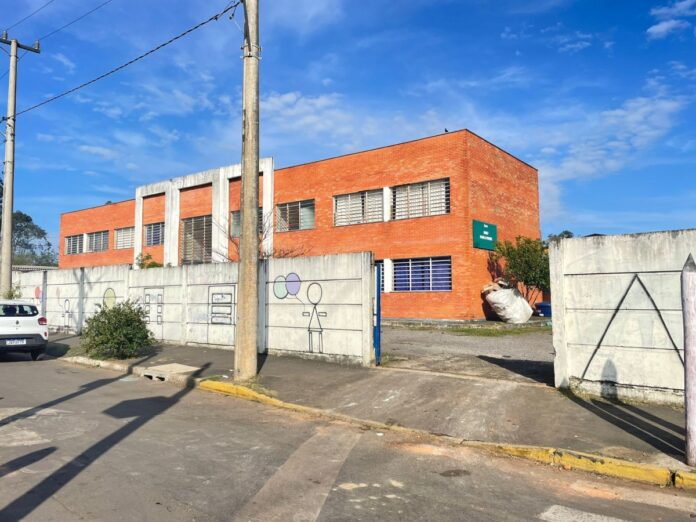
[117,332]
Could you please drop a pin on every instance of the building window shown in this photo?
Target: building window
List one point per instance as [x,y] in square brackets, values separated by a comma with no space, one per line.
[431,198]
[98,241]
[154,234]
[124,238]
[196,240]
[73,244]
[425,274]
[359,207]
[298,215]
[236,223]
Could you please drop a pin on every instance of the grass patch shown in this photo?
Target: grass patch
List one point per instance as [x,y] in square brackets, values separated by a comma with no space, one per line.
[497,332]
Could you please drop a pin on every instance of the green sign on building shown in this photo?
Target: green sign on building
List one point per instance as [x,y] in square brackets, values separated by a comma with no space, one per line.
[485,235]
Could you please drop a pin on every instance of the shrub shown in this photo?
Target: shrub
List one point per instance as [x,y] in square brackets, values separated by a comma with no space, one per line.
[117,332]
[146,261]
[525,264]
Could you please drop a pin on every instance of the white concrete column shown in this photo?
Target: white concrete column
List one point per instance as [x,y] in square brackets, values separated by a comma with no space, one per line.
[221,217]
[138,228]
[267,168]
[561,360]
[171,225]
[387,194]
[388,275]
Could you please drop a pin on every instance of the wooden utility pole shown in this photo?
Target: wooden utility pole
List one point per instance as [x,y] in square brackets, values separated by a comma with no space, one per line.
[8,183]
[688,299]
[246,343]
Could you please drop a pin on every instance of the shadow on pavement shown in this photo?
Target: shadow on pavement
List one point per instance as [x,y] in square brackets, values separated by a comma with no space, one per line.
[141,410]
[539,371]
[24,461]
[86,388]
[662,435]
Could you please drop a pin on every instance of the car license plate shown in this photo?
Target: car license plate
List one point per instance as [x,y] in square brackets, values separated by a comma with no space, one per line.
[16,342]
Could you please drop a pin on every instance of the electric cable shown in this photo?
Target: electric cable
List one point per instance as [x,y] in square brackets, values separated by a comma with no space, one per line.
[44,37]
[131,62]
[30,15]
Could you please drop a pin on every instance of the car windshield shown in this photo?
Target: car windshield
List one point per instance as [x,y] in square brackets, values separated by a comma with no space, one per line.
[18,310]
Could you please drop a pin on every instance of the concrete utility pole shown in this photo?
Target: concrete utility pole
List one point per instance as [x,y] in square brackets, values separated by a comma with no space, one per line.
[688,298]
[8,187]
[247,325]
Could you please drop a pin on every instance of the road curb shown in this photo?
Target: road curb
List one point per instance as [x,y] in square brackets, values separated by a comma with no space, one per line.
[567,459]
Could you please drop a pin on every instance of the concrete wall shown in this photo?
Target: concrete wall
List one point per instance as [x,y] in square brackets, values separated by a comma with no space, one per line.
[318,307]
[617,320]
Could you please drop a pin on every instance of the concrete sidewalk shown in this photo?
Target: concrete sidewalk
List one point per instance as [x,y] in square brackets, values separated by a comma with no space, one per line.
[475,408]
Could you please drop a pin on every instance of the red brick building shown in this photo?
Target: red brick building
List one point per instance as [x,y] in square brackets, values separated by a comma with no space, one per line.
[428,209]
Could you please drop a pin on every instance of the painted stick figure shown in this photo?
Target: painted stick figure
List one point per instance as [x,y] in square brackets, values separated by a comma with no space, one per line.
[314,330]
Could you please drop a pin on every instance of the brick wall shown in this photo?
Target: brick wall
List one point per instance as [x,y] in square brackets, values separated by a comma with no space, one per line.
[107,217]
[503,191]
[486,183]
[153,212]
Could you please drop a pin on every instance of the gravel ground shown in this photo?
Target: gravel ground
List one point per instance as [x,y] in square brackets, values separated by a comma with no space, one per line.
[534,346]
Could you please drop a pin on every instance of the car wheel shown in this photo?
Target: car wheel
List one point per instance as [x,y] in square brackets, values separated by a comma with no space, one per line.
[35,354]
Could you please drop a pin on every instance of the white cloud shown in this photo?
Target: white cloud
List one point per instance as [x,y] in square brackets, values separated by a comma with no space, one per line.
[110,189]
[681,8]
[665,28]
[101,152]
[682,70]
[572,41]
[165,136]
[67,62]
[574,47]
[513,76]
[304,16]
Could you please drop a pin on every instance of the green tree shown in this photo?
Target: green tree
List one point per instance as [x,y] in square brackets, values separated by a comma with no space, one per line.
[566,234]
[525,264]
[30,243]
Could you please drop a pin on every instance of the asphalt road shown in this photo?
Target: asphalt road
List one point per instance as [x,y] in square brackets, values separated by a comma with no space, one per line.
[84,444]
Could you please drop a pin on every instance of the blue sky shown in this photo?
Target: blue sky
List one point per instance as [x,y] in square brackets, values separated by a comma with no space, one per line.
[598,95]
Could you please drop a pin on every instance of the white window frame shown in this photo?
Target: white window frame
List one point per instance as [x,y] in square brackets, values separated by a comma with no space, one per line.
[97,241]
[418,266]
[284,222]
[427,198]
[149,233]
[124,238]
[199,251]
[76,242]
[358,208]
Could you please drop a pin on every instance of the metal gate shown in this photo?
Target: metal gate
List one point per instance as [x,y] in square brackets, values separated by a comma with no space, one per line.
[377,313]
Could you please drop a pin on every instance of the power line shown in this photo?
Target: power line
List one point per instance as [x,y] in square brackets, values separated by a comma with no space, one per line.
[30,15]
[44,37]
[213,18]
[75,20]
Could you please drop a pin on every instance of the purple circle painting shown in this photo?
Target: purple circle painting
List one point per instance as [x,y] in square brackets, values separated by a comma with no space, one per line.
[293,283]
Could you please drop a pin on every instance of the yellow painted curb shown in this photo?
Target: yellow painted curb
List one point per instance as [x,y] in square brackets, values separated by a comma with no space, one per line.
[243,392]
[685,479]
[649,474]
[646,473]
[606,466]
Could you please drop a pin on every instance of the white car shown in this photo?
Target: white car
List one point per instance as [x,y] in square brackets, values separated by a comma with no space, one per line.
[22,328]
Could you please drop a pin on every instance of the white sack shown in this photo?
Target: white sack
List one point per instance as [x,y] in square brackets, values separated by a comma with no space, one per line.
[510,306]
